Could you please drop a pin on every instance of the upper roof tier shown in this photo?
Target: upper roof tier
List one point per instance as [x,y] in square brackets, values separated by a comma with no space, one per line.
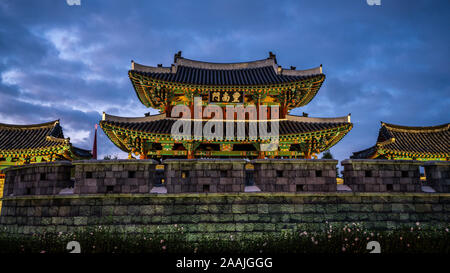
[410,142]
[36,139]
[158,87]
[260,72]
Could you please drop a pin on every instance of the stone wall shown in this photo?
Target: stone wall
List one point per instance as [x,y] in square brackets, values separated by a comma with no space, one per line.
[38,179]
[208,175]
[374,175]
[114,176]
[295,175]
[224,214]
[438,175]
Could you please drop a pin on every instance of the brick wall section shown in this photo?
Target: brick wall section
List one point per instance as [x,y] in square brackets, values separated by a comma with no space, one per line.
[205,175]
[438,175]
[224,214]
[37,179]
[295,175]
[374,175]
[114,176]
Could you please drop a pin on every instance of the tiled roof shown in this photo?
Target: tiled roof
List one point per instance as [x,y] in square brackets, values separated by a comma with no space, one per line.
[36,136]
[81,153]
[260,72]
[164,125]
[248,76]
[414,140]
[15,137]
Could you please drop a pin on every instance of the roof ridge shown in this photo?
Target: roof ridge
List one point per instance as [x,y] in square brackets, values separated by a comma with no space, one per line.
[225,66]
[416,129]
[184,62]
[29,126]
[318,119]
[107,117]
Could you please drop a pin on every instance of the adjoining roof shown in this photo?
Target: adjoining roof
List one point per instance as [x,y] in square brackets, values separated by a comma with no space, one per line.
[19,138]
[418,141]
[258,72]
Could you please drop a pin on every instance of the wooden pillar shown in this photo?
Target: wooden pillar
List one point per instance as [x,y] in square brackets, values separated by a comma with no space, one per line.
[261,155]
[189,149]
[257,110]
[168,110]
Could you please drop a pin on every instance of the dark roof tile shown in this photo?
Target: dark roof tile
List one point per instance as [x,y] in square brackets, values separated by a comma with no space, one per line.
[248,76]
[416,140]
[35,136]
[163,126]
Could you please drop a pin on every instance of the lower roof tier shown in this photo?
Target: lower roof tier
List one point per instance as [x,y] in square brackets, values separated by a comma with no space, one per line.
[297,136]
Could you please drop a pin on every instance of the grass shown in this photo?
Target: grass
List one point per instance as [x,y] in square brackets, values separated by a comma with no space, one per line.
[351,238]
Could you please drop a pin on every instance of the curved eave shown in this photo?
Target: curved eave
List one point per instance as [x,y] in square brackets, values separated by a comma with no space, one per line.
[340,136]
[35,151]
[370,152]
[109,131]
[79,154]
[383,150]
[336,133]
[312,92]
[140,92]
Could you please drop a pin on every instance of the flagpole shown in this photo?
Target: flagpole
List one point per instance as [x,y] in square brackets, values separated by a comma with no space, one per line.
[94,148]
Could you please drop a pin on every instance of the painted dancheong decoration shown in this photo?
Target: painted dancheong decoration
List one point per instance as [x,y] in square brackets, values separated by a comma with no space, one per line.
[261,83]
[398,142]
[36,143]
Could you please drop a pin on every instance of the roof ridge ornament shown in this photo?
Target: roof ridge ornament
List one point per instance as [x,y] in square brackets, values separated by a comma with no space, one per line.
[273,56]
[176,57]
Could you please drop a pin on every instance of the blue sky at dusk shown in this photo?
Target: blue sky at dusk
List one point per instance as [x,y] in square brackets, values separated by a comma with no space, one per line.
[382,63]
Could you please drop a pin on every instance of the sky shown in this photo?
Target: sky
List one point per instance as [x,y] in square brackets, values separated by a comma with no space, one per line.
[387,62]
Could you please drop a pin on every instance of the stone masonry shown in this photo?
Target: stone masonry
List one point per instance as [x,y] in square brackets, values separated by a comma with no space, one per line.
[375,175]
[438,175]
[205,175]
[221,175]
[114,176]
[295,175]
[38,179]
[224,214]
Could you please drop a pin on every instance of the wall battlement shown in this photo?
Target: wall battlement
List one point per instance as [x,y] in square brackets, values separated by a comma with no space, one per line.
[221,176]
